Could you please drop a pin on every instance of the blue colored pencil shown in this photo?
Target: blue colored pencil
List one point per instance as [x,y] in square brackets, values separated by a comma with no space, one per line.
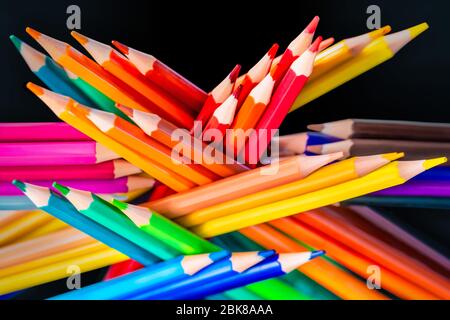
[274,266]
[434,174]
[135,283]
[236,264]
[60,208]
[49,72]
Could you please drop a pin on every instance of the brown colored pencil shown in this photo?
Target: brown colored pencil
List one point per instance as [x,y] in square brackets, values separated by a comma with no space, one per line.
[385,129]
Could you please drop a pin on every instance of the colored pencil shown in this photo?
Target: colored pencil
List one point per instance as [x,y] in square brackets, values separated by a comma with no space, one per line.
[48,71]
[164,76]
[60,106]
[375,53]
[325,273]
[133,137]
[58,270]
[360,147]
[256,74]
[385,129]
[327,176]
[60,208]
[272,266]
[236,263]
[112,218]
[216,97]
[344,50]
[296,143]
[157,275]
[113,62]
[62,256]
[108,170]
[283,97]
[9,216]
[328,221]
[401,202]
[164,229]
[53,153]
[22,225]
[56,242]
[296,48]
[392,282]
[238,185]
[42,131]
[435,174]
[392,174]
[418,189]
[16,203]
[51,226]
[395,230]
[120,185]
[222,118]
[192,148]
[88,70]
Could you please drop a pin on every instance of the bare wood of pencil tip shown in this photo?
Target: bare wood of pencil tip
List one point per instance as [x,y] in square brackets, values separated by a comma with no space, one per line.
[387,129]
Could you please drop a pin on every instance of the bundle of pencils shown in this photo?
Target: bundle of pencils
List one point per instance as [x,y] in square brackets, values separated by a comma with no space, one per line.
[38,152]
[130,105]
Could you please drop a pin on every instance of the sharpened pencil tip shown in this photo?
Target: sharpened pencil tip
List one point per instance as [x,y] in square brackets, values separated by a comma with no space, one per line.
[312,26]
[121,47]
[34,33]
[273,50]
[417,30]
[19,184]
[315,45]
[79,37]
[37,90]
[237,91]
[16,41]
[430,163]
[64,190]
[317,253]
[393,155]
[234,73]
[119,204]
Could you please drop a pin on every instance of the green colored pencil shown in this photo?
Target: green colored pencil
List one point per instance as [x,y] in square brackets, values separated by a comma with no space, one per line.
[112,218]
[164,229]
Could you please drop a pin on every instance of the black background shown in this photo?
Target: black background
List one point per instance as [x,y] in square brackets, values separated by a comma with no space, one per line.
[204,40]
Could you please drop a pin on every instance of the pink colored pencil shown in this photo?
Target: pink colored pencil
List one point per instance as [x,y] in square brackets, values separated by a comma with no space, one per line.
[40,131]
[120,185]
[106,170]
[53,153]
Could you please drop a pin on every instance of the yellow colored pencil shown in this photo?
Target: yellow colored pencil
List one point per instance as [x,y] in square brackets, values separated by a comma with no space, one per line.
[390,175]
[375,53]
[50,227]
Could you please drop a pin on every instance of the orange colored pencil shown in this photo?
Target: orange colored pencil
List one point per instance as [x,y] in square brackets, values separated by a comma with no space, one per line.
[91,72]
[133,137]
[216,97]
[113,62]
[340,282]
[239,185]
[344,255]
[163,131]
[162,75]
[331,223]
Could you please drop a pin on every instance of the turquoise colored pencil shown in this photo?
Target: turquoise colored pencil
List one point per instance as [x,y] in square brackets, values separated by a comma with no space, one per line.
[49,72]
[60,208]
[158,275]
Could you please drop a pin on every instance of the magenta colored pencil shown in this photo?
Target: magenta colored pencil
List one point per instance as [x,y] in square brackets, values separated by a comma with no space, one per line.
[53,153]
[106,170]
[418,189]
[120,185]
[40,131]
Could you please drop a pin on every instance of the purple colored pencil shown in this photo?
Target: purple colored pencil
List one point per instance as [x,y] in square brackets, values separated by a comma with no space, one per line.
[418,189]
[40,131]
[120,185]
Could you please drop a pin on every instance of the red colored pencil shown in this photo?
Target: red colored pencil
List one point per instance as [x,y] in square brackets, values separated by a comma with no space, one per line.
[256,74]
[284,96]
[217,96]
[165,77]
